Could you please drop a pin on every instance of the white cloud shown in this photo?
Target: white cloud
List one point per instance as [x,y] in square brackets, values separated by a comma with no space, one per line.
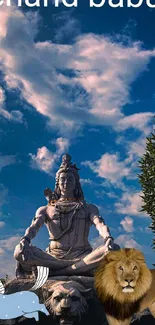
[109,167]
[2,224]
[127,224]
[2,97]
[62,145]
[130,203]
[146,230]
[9,244]
[14,115]
[128,242]
[7,260]
[103,71]
[139,121]
[7,160]
[45,159]
[112,195]
[86,181]
[1,251]
[136,148]
[134,151]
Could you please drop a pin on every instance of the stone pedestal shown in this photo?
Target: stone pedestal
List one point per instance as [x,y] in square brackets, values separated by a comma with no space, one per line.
[83,306]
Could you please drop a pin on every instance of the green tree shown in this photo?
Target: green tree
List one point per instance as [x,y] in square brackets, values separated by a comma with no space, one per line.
[147,181]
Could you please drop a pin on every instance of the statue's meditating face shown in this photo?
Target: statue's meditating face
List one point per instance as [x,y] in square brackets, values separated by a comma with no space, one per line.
[67,183]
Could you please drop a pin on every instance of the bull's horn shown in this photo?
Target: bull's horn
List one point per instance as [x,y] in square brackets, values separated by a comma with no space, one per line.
[2,289]
[42,277]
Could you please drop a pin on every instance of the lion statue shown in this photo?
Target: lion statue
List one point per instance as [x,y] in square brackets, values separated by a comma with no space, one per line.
[67,301]
[125,285]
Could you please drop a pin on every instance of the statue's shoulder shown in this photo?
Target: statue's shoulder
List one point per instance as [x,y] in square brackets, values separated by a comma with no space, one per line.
[41,210]
[92,208]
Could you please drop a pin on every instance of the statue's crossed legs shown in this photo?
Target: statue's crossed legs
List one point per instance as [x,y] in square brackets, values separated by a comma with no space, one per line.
[83,265]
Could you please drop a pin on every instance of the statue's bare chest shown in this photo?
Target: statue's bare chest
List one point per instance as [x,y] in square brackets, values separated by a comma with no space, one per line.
[66,216]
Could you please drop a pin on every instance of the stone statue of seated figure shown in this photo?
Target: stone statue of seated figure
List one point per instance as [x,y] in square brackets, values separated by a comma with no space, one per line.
[68,219]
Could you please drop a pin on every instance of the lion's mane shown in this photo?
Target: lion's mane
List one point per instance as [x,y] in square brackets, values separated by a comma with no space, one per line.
[108,288]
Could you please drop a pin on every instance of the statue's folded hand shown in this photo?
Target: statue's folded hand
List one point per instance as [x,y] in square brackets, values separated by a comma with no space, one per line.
[110,245]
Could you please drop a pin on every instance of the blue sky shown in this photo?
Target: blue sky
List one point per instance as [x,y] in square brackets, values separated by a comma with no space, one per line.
[80,81]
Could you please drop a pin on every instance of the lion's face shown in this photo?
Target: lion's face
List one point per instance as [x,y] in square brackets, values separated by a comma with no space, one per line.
[123,275]
[127,274]
[67,302]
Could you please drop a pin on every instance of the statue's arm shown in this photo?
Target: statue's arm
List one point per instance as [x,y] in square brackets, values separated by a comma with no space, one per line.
[99,222]
[36,224]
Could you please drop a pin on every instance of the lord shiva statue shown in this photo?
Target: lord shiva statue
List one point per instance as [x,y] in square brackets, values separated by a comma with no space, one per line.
[68,218]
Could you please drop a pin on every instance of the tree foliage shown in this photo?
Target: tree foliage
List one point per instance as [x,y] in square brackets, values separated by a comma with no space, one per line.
[147,180]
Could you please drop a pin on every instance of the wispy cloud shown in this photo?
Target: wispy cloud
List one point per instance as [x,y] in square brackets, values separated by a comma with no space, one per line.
[130,203]
[113,169]
[127,224]
[14,115]
[9,244]
[86,181]
[7,160]
[45,159]
[109,167]
[97,87]
[1,251]
[7,261]
[134,151]
[140,121]
[2,224]
[127,241]
[136,148]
